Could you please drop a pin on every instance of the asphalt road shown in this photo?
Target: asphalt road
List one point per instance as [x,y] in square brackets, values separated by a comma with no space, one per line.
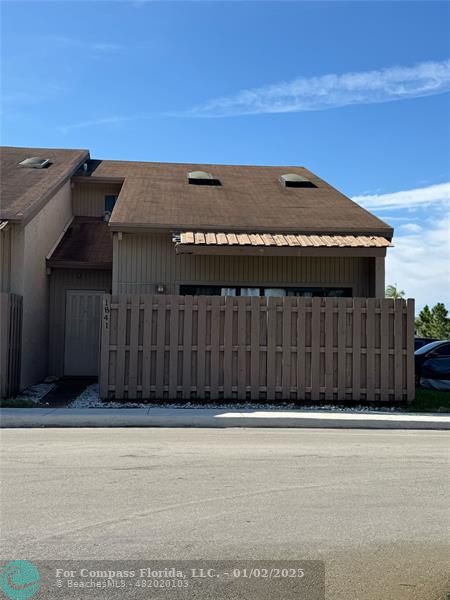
[373,505]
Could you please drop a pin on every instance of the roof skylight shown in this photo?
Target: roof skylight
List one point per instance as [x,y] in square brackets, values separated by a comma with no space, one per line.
[35,162]
[295,180]
[202,178]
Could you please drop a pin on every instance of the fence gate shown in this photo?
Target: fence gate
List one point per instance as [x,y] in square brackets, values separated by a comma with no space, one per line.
[212,347]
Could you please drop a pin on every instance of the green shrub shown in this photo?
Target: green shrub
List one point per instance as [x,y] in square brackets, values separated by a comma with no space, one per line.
[431,401]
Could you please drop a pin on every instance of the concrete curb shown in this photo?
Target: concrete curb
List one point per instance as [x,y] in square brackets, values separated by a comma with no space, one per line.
[216,418]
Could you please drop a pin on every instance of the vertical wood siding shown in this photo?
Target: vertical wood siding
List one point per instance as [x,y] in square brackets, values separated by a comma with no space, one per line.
[10,343]
[144,261]
[212,347]
[5,260]
[62,280]
[88,199]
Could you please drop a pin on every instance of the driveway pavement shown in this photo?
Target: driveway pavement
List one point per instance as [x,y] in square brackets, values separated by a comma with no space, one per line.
[372,504]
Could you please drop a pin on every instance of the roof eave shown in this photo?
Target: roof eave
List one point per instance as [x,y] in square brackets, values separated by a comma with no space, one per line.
[298,251]
[78,265]
[170,227]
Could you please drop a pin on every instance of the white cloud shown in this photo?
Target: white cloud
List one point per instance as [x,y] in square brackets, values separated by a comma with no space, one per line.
[27,91]
[94,123]
[93,46]
[107,120]
[411,227]
[438,194]
[420,262]
[333,90]
[140,3]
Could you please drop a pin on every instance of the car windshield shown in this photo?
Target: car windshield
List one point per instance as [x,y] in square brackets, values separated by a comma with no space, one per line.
[428,347]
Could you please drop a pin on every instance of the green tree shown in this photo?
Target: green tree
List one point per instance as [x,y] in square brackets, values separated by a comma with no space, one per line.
[393,292]
[433,322]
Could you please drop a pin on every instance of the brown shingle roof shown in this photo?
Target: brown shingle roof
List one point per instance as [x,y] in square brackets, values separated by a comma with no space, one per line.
[157,195]
[86,244]
[251,198]
[24,191]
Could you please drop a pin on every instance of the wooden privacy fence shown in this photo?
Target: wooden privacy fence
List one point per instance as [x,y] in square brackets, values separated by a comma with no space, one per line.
[212,347]
[10,343]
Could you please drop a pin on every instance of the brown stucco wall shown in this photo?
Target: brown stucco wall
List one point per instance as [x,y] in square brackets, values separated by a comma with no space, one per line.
[39,236]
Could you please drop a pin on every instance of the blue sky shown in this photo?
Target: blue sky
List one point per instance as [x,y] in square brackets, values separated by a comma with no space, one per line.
[357,92]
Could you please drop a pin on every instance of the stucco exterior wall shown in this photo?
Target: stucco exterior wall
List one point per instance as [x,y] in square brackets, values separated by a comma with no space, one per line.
[39,237]
[141,262]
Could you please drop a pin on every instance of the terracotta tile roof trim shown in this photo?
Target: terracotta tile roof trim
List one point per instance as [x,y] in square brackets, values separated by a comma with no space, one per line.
[199,238]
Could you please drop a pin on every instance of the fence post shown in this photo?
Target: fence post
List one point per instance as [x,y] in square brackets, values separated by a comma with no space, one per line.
[271,346]
[160,344]
[104,347]
[215,342]
[398,349]
[241,351]
[342,317]
[133,352]
[301,335]
[187,347]
[173,341]
[410,367]
[384,348]
[370,350]
[254,348]
[228,348]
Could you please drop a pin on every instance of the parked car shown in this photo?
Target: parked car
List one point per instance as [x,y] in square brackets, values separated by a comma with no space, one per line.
[432,364]
[421,341]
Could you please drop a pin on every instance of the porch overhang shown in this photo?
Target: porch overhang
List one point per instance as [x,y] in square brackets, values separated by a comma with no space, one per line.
[85,244]
[276,244]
